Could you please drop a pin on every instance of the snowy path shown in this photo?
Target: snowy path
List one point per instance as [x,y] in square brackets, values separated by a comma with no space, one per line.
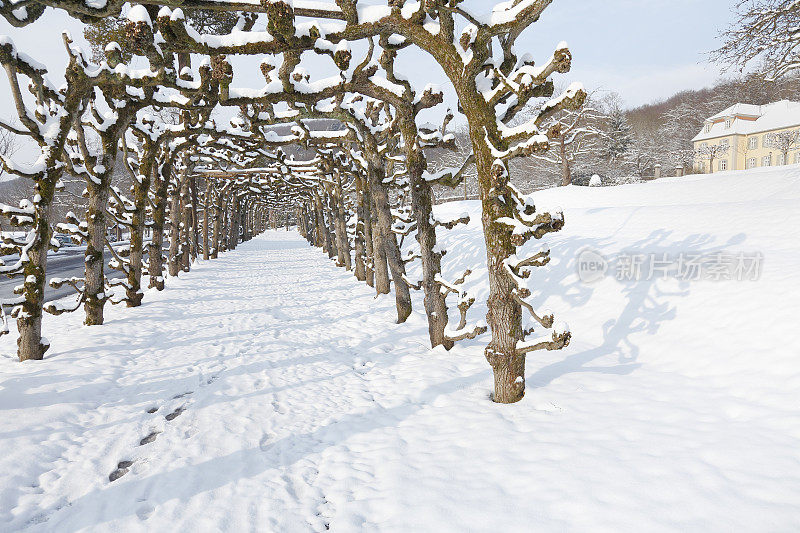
[274,393]
[269,364]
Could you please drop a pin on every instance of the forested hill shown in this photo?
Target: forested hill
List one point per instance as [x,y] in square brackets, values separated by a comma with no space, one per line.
[695,105]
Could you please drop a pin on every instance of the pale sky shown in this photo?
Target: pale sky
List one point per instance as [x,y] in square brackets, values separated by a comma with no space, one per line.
[645,50]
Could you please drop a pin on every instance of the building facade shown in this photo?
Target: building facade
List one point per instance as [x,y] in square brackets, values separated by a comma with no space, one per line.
[748,136]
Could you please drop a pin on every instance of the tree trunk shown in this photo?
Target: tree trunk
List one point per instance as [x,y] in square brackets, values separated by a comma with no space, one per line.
[141,189]
[186,226]
[236,217]
[174,231]
[195,219]
[218,216]
[504,315]
[206,221]
[30,344]
[421,195]
[360,249]
[342,241]
[155,266]
[246,208]
[321,232]
[387,244]
[226,224]
[330,239]
[94,278]
[369,243]
[566,172]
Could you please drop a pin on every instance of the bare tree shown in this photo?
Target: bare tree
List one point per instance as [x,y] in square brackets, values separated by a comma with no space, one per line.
[764,30]
[577,137]
[47,123]
[785,142]
[712,152]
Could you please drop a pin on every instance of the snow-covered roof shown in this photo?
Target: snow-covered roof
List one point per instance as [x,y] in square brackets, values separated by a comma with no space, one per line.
[747,119]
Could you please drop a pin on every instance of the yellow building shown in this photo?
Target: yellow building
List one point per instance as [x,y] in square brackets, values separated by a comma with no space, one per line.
[749,136]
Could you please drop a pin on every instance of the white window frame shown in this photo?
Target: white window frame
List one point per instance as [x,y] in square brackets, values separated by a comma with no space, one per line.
[766,161]
[723,164]
[728,123]
[752,162]
[753,143]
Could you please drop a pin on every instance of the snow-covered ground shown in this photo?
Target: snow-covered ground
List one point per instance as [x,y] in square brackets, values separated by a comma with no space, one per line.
[273,392]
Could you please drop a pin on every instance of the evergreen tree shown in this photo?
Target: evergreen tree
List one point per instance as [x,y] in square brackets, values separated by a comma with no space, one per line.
[619,134]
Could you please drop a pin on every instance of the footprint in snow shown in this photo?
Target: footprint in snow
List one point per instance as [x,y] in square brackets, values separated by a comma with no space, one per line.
[176,413]
[145,511]
[122,468]
[183,395]
[209,381]
[150,438]
[152,410]
[265,443]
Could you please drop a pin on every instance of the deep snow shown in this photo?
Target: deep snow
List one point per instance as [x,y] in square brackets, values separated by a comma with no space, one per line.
[675,408]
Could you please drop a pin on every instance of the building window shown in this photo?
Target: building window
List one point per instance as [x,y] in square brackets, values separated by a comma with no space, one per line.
[723,164]
[782,159]
[753,143]
[707,128]
[767,161]
[751,163]
[797,158]
[728,123]
[725,142]
[704,145]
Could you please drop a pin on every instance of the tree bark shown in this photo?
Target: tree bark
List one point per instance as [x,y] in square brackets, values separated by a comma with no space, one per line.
[388,247]
[206,220]
[94,278]
[369,243]
[30,345]
[235,220]
[566,172]
[342,241]
[330,239]
[186,225]
[174,231]
[360,245]
[155,260]
[321,232]
[218,220]
[141,190]
[504,315]
[421,202]
[195,219]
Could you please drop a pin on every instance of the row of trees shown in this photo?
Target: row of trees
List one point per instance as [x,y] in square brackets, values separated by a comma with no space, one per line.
[203,184]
